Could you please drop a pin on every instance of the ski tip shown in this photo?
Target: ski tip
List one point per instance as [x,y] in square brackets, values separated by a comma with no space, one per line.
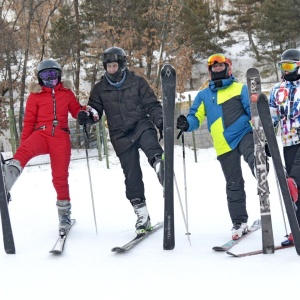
[218,248]
[10,251]
[252,69]
[118,250]
[167,71]
[262,97]
[232,254]
[167,66]
[256,223]
[56,252]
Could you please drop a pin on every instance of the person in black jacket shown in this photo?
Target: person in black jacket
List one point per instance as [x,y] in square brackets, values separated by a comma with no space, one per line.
[132,111]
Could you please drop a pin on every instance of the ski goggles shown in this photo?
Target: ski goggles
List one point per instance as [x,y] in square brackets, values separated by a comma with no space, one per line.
[49,74]
[216,58]
[288,66]
[110,57]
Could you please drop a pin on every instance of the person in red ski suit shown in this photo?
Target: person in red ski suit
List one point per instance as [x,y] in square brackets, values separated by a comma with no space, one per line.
[46,131]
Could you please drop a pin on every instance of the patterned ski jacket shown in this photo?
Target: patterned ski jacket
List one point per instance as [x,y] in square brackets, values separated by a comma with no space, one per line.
[285,109]
[227,111]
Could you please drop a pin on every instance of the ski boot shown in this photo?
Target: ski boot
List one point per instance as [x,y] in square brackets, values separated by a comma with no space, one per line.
[238,230]
[64,215]
[143,223]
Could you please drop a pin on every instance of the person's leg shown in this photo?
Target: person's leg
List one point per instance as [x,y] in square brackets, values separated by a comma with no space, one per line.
[35,145]
[135,192]
[150,146]
[246,148]
[60,155]
[236,196]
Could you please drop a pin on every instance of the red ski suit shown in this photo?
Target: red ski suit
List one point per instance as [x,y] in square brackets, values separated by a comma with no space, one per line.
[46,131]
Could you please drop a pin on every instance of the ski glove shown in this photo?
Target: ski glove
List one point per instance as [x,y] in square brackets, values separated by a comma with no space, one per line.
[83,117]
[89,116]
[182,123]
[160,127]
[267,150]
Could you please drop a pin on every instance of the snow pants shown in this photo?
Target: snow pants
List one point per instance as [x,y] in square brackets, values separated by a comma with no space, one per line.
[232,170]
[291,156]
[130,163]
[59,149]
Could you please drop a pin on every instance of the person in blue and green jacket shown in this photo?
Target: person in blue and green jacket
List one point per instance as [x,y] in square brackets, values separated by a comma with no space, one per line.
[225,104]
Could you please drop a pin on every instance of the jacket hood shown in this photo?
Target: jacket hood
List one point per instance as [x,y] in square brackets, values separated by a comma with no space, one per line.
[34,87]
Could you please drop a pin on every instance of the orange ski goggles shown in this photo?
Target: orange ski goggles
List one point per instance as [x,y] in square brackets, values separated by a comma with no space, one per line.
[288,66]
[218,58]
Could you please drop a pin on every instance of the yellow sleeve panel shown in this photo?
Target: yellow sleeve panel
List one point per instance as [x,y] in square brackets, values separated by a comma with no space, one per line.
[220,144]
[233,90]
[201,113]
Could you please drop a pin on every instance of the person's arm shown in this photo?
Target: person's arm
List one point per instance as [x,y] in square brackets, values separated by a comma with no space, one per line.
[30,117]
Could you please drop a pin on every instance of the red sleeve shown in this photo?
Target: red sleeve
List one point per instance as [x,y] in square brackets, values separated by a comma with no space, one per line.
[30,117]
[74,105]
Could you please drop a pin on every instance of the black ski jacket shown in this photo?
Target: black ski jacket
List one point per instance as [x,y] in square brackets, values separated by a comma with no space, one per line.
[130,109]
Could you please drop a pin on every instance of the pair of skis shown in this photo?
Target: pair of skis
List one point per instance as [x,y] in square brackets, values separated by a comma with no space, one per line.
[227,246]
[263,131]
[254,90]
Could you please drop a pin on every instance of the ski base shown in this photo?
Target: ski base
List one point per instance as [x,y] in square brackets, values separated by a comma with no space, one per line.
[137,239]
[8,239]
[267,123]
[255,226]
[58,248]
[256,252]
[168,84]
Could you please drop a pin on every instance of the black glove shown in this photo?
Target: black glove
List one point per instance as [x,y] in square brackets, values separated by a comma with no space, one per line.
[83,117]
[182,123]
[160,124]
[160,127]
[267,150]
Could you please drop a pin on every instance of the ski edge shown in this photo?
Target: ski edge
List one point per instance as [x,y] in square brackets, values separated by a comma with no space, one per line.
[257,252]
[8,238]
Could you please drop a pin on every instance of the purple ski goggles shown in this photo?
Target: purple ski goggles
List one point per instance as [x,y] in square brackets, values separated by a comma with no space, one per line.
[49,74]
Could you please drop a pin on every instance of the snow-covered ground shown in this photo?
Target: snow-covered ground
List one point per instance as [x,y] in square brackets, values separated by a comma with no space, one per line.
[89,270]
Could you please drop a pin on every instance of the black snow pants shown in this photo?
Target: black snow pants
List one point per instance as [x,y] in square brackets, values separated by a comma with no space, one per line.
[130,162]
[291,156]
[232,170]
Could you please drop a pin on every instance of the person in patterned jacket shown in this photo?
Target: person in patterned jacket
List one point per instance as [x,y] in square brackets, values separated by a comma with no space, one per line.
[46,131]
[225,104]
[285,111]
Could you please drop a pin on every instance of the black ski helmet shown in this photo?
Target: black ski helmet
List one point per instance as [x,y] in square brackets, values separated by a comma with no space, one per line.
[114,54]
[48,64]
[291,54]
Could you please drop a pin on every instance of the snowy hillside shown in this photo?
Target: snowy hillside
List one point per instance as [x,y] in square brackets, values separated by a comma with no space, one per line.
[89,270]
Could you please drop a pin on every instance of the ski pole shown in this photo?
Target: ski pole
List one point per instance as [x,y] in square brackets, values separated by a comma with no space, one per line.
[184,219]
[185,185]
[86,138]
[280,201]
